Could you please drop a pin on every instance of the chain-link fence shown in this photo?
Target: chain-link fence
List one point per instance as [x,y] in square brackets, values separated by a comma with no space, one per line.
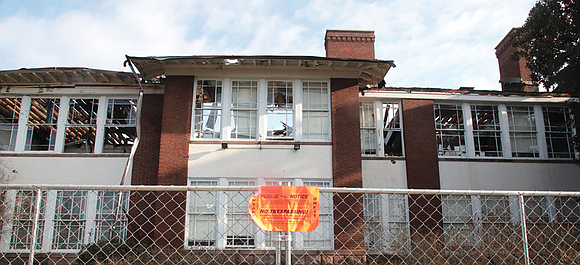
[210,224]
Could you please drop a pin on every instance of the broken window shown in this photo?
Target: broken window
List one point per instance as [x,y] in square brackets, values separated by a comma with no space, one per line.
[450,130]
[315,113]
[558,123]
[393,139]
[280,110]
[208,104]
[120,126]
[81,126]
[368,136]
[486,131]
[523,134]
[9,115]
[244,110]
[42,124]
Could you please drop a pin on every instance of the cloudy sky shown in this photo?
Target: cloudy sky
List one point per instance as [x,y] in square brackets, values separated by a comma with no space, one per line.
[434,43]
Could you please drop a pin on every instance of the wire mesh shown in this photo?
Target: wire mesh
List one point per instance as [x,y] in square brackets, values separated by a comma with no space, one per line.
[209,224]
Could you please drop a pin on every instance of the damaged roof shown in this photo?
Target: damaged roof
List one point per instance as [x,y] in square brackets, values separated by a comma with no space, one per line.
[370,72]
[64,76]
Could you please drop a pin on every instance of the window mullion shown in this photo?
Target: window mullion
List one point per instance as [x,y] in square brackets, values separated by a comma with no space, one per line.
[297,86]
[378,109]
[541,132]
[222,200]
[262,103]
[505,132]
[470,144]
[61,125]
[49,223]
[226,105]
[91,214]
[101,116]
[22,124]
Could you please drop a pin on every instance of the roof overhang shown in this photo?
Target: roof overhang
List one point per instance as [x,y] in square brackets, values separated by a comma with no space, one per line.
[369,72]
[64,76]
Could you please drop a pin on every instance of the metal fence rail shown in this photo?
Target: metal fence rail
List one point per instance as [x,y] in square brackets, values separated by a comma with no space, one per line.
[210,224]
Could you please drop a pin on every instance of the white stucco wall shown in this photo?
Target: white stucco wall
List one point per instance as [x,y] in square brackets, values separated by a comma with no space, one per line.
[270,162]
[384,174]
[66,170]
[509,176]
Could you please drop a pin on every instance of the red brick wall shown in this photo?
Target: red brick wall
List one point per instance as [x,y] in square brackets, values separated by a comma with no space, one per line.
[350,44]
[509,67]
[175,130]
[346,164]
[422,163]
[173,160]
[146,161]
[145,167]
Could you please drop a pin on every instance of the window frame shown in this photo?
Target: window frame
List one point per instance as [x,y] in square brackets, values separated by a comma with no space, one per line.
[380,129]
[505,129]
[63,124]
[47,232]
[298,110]
[261,238]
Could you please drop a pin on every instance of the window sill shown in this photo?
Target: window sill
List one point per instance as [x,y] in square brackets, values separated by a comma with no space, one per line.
[44,154]
[269,142]
[511,160]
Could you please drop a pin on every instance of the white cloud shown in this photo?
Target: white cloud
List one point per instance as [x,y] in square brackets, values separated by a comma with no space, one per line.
[439,43]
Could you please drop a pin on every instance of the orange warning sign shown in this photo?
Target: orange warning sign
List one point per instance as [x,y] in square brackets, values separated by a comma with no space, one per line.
[286,208]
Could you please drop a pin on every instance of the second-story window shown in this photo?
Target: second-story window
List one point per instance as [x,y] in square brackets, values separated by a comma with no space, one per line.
[315,115]
[523,134]
[207,111]
[392,133]
[81,125]
[380,128]
[260,109]
[486,130]
[244,110]
[280,110]
[9,115]
[42,124]
[368,136]
[450,130]
[558,123]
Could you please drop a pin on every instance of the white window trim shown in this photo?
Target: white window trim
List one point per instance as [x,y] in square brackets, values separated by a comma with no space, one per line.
[259,235]
[61,123]
[379,116]
[262,109]
[50,209]
[505,133]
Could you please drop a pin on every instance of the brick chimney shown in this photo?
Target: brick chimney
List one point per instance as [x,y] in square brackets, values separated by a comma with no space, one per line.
[514,75]
[351,44]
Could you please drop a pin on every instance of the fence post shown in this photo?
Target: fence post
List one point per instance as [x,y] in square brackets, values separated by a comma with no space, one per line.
[524,229]
[35,226]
